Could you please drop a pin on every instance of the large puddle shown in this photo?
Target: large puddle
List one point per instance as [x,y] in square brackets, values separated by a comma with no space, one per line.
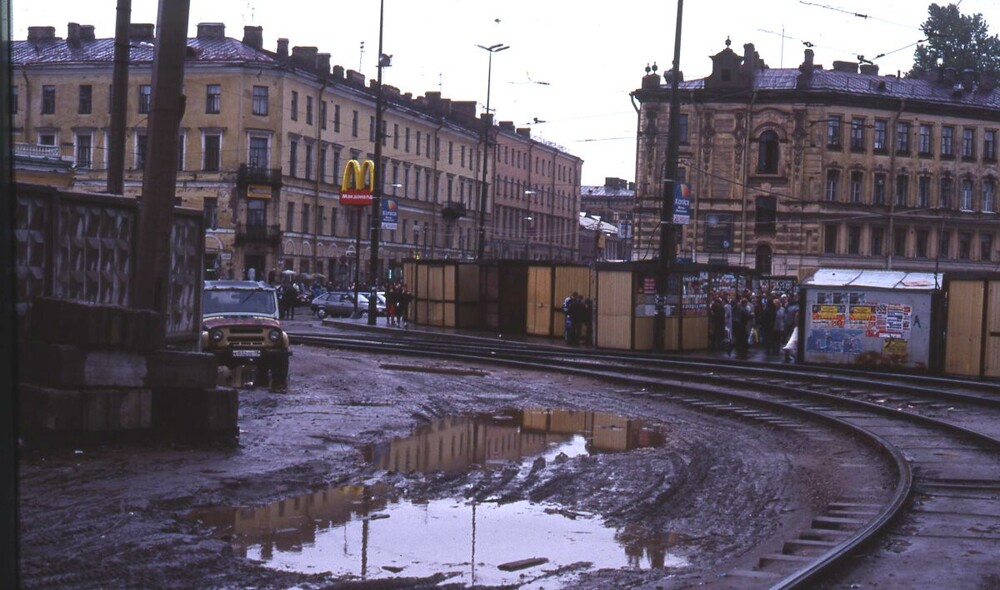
[371,532]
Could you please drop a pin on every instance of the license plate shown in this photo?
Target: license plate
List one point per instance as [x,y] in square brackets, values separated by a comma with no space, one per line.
[248,354]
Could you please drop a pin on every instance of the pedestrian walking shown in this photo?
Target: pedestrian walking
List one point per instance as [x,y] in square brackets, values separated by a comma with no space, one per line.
[587,321]
[567,304]
[403,299]
[391,298]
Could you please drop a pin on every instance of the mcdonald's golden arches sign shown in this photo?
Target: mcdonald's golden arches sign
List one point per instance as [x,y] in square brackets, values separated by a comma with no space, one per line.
[356,186]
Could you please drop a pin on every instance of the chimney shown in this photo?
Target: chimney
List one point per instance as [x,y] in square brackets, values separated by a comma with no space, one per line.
[338,72]
[968,79]
[806,70]
[211,31]
[524,132]
[253,37]
[323,63]
[86,32]
[73,35]
[749,58]
[141,32]
[41,33]
[507,126]
[869,69]
[282,47]
[355,78]
[848,67]
[304,57]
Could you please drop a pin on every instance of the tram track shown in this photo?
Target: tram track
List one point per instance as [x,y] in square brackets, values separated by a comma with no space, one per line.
[939,438]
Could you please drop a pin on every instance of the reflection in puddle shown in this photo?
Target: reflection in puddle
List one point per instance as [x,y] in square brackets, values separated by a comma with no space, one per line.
[457,444]
[369,532]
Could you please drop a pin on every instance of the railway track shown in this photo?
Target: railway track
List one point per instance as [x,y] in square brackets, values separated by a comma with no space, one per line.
[937,525]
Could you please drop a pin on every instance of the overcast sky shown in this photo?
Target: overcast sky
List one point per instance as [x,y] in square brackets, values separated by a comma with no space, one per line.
[570,65]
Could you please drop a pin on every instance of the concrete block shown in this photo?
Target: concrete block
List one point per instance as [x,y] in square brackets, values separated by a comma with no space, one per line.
[183,414]
[47,414]
[175,368]
[70,366]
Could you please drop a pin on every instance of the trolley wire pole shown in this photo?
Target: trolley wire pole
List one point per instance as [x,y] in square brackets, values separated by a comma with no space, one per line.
[668,233]
[376,221]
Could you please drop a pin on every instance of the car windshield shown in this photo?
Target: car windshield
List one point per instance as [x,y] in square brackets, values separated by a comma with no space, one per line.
[238,302]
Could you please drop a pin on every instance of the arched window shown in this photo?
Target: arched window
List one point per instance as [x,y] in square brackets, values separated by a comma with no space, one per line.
[767,157]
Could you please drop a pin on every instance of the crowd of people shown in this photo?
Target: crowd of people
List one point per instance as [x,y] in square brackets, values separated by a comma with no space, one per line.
[743,320]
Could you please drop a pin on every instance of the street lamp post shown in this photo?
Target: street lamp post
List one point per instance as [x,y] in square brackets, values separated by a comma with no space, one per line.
[487,123]
[376,221]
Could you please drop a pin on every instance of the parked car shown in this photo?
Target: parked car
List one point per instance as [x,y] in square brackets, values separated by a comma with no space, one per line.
[240,326]
[341,304]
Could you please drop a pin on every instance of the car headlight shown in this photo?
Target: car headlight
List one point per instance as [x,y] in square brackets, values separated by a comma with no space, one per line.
[274,335]
[216,335]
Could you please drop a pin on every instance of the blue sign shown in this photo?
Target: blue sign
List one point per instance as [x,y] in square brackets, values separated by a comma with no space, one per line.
[682,203]
[390,213]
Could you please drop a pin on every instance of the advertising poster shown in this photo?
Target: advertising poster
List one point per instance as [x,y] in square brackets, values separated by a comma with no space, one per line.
[390,213]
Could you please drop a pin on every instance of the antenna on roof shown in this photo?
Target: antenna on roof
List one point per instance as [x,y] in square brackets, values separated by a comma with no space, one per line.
[361,58]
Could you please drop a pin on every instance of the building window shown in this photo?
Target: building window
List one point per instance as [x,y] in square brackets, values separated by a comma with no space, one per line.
[921,245]
[965,197]
[309,161]
[211,209]
[854,239]
[833,131]
[418,143]
[857,134]
[48,100]
[336,118]
[902,190]
[86,101]
[295,106]
[305,217]
[354,124]
[877,246]
[336,165]
[84,146]
[830,238]
[13,100]
[213,99]
[309,110]
[333,222]
[322,114]
[212,151]
[926,140]
[879,137]
[944,199]
[256,212]
[964,245]
[986,247]
[766,222]
[140,149]
[767,156]
[944,244]
[878,189]
[321,168]
[181,141]
[832,185]
[260,100]
[989,203]
[293,156]
[145,97]
[903,138]
[290,216]
[924,192]
[857,185]
[968,144]
[990,145]
[947,142]
[259,153]
[683,135]
[899,243]
[451,152]
[395,136]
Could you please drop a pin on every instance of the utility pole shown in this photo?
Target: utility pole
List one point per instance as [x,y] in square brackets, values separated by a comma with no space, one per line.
[376,221]
[119,101]
[487,126]
[668,234]
[151,278]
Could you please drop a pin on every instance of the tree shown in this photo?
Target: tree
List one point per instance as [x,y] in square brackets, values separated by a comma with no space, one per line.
[955,40]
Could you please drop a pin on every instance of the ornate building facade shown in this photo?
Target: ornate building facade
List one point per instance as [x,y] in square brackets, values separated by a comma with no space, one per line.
[264,141]
[795,169]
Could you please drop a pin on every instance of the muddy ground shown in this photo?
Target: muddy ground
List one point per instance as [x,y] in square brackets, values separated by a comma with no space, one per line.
[716,493]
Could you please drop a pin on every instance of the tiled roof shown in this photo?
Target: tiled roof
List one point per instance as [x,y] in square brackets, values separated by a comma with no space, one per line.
[58,51]
[604,191]
[916,89]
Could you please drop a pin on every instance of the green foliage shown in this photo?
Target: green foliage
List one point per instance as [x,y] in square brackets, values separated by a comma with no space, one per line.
[955,40]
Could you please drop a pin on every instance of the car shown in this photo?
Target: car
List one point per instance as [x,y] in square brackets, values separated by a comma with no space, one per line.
[240,325]
[341,304]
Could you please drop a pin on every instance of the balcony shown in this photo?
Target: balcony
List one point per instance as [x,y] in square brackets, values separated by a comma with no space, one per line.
[247,233]
[256,175]
[453,210]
